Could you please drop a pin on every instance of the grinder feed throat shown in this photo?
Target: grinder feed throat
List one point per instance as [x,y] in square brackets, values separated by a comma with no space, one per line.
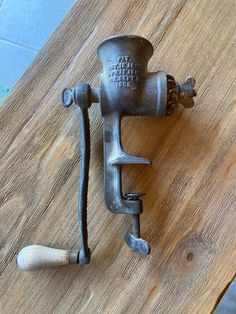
[126,89]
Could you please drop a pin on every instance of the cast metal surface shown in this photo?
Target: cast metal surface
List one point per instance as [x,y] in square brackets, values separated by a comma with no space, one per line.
[127,89]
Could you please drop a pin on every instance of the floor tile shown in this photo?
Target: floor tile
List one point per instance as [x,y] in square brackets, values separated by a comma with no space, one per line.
[30,23]
[3,92]
[227,304]
[14,61]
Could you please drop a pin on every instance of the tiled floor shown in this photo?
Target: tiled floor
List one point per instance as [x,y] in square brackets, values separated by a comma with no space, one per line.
[25,26]
[227,304]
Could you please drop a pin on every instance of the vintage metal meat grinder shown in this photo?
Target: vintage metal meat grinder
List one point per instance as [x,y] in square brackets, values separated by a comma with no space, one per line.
[127,89]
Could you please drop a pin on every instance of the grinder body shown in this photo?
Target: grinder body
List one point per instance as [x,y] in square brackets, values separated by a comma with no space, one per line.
[127,89]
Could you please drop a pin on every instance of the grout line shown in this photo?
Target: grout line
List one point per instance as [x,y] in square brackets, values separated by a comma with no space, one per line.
[17,44]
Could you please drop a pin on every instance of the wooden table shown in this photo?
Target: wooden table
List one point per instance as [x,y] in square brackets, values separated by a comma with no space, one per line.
[189,209]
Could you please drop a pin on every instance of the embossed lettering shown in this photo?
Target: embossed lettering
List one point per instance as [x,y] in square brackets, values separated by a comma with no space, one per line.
[124,73]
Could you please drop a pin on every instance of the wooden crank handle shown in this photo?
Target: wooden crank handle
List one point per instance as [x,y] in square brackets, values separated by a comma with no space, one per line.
[35,257]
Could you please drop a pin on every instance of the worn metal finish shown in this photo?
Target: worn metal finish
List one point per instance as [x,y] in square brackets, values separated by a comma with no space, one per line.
[127,89]
[81,97]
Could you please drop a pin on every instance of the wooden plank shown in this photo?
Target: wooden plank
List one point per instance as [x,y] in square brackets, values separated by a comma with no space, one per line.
[189,210]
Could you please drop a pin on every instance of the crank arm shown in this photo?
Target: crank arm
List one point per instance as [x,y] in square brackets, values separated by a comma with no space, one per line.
[34,257]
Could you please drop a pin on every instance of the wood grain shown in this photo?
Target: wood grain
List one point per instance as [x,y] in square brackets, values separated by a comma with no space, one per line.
[189,209]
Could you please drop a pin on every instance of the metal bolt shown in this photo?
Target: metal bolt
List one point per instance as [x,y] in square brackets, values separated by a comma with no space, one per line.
[67,97]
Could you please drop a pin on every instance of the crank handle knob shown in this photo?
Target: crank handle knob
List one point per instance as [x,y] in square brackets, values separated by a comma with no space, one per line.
[35,257]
